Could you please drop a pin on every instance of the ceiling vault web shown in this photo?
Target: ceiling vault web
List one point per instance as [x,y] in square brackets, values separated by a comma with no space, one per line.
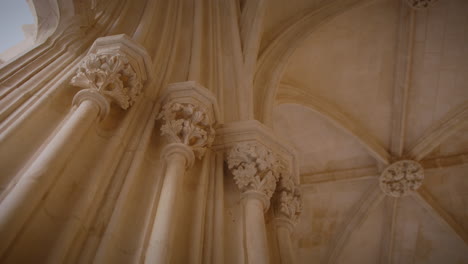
[370,199]
[389,226]
[273,62]
[439,132]
[274,57]
[289,94]
[427,201]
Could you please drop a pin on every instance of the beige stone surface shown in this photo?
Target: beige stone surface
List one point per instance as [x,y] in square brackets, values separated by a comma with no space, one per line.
[237,131]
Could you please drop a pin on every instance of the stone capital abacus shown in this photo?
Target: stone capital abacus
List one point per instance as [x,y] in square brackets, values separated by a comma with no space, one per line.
[115,68]
[188,114]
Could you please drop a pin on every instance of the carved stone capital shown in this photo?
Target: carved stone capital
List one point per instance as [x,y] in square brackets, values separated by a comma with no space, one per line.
[287,200]
[255,168]
[420,4]
[188,115]
[114,67]
[401,178]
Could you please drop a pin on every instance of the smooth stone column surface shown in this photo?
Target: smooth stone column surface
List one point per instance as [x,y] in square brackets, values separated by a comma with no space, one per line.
[255,236]
[178,158]
[32,186]
[284,228]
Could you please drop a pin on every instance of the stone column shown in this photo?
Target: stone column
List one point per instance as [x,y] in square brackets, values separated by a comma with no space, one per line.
[188,115]
[256,171]
[287,207]
[108,74]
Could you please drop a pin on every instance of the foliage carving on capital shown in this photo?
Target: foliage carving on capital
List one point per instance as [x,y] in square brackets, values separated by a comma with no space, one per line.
[188,124]
[401,178]
[111,75]
[288,201]
[420,4]
[254,168]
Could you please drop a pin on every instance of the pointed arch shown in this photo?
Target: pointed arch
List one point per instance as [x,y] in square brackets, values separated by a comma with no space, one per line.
[274,58]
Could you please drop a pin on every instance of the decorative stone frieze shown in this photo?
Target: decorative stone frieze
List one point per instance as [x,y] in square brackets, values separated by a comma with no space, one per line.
[188,116]
[255,168]
[111,75]
[420,4]
[401,178]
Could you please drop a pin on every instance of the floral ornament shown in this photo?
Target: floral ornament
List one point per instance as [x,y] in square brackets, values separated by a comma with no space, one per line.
[111,75]
[401,178]
[188,124]
[288,201]
[254,168]
[420,4]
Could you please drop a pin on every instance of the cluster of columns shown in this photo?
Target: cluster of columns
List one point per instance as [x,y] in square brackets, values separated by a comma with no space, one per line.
[265,175]
[114,72]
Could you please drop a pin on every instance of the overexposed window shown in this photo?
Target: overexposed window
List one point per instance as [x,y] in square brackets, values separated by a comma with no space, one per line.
[17,28]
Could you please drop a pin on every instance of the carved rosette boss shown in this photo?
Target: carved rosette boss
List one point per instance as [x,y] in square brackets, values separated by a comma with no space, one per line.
[420,4]
[114,71]
[256,169]
[401,178]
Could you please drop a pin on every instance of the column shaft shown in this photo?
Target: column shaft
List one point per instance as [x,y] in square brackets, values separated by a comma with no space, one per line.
[159,245]
[255,237]
[283,236]
[19,203]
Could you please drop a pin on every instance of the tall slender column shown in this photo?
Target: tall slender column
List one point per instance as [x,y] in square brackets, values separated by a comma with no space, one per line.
[256,171]
[188,116]
[106,76]
[287,206]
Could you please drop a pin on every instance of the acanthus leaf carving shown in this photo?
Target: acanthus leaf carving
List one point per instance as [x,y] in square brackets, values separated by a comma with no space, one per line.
[254,168]
[111,75]
[288,201]
[188,124]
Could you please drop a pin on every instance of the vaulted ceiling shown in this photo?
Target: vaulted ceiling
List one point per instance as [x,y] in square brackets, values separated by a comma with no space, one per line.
[369,83]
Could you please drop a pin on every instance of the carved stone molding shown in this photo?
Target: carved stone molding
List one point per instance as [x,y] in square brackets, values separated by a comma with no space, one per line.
[188,116]
[255,168]
[115,67]
[420,4]
[401,178]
